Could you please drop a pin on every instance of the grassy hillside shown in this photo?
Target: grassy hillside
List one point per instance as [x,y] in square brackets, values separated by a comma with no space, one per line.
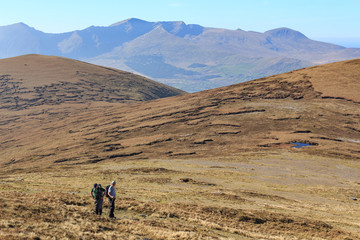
[218,164]
[34,80]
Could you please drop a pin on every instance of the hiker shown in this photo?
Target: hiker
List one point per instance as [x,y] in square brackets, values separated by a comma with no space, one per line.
[98,195]
[92,193]
[112,196]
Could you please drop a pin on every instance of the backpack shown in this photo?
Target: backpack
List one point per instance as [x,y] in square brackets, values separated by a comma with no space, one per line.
[107,191]
[98,193]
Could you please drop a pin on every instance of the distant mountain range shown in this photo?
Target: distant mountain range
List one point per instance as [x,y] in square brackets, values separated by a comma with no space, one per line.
[190,57]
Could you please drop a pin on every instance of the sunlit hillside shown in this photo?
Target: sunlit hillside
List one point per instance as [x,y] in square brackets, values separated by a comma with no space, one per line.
[218,164]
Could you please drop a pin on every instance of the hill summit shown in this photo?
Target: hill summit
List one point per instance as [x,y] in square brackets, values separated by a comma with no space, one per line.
[33,80]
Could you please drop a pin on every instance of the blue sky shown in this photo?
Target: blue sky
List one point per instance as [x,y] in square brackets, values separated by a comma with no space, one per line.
[327,20]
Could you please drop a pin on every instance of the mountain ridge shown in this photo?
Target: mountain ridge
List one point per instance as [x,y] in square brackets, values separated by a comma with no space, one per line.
[118,46]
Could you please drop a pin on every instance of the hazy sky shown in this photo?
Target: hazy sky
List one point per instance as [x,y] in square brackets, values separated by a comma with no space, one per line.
[331,20]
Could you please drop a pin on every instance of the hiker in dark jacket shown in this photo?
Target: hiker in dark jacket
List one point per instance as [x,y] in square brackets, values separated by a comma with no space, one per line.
[112,197]
[92,193]
[98,195]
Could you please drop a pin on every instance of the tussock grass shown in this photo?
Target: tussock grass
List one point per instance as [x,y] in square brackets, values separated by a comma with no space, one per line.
[55,204]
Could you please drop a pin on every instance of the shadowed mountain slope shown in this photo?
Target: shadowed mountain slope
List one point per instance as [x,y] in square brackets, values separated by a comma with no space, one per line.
[34,80]
[318,106]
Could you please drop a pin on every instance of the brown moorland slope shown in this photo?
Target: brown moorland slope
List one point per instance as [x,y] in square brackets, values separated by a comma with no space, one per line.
[211,165]
[33,80]
[318,106]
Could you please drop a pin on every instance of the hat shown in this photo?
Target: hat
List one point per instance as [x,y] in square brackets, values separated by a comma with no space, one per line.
[113,182]
[95,185]
[99,185]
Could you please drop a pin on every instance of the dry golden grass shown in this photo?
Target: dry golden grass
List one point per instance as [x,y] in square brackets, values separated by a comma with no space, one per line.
[233,198]
[211,165]
[37,80]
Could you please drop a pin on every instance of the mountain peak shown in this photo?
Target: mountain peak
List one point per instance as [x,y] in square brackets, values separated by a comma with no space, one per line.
[181,29]
[18,25]
[285,33]
[130,21]
[177,28]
